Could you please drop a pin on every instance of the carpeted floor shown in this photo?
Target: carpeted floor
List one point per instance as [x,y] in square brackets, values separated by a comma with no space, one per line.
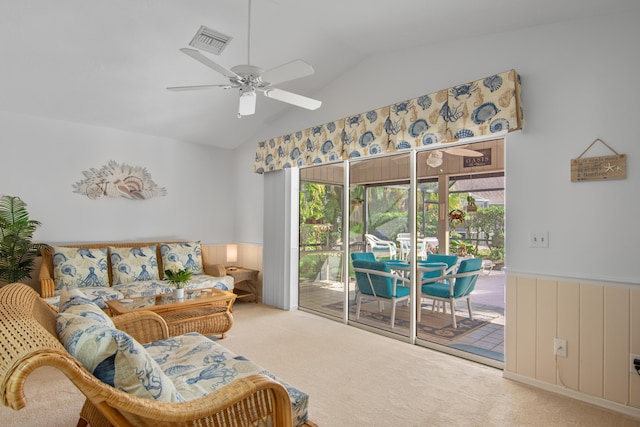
[52,401]
[355,378]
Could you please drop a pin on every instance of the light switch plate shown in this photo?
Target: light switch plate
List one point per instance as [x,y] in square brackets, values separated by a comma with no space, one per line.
[539,239]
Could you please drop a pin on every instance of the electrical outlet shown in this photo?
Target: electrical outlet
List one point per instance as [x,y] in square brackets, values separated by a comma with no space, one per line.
[560,347]
[539,239]
[634,364]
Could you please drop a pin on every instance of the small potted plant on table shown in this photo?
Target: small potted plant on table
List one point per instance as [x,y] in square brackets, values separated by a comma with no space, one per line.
[178,278]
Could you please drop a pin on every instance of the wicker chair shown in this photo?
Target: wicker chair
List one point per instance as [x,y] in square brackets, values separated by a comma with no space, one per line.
[29,340]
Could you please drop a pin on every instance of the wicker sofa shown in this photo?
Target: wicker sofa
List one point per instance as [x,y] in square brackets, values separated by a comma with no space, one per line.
[29,338]
[50,287]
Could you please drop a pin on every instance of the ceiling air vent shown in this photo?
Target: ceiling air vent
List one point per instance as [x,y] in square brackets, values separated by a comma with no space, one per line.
[210,40]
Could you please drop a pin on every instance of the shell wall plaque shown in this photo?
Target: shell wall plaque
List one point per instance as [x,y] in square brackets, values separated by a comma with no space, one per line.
[118,180]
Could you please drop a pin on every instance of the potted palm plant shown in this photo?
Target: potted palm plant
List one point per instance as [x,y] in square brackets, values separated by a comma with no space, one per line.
[178,278]
[17,251]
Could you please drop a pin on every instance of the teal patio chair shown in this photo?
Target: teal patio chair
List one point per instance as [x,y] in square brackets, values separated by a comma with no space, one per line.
[375,280]
[452,287]
[364,256]
[450,260]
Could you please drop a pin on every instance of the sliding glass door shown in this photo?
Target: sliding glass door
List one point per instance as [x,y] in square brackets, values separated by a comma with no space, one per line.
[406,213]
[379,201]
[321,282]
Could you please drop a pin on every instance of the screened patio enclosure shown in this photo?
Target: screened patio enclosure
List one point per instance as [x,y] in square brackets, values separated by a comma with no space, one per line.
[381,202]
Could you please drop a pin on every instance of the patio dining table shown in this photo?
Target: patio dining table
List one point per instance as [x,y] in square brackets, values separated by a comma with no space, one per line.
[404,268]
[423,266]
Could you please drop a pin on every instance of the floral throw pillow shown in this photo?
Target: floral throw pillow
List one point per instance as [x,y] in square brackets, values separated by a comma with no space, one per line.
[79,267]
[133,264]
[179,256]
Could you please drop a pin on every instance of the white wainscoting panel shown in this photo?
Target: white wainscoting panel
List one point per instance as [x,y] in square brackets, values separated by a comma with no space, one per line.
[601,323]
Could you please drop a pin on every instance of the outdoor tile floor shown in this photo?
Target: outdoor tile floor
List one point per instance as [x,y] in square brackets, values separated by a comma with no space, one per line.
[487,303]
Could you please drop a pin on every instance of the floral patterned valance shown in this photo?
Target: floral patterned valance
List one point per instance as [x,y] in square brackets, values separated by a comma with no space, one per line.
[480,107]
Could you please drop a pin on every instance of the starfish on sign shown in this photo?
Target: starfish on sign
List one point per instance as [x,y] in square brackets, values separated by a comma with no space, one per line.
[609,168]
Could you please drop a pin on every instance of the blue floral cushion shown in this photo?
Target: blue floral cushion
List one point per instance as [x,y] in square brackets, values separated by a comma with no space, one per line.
[79,308]
[133,264]
[178,256]
[200,281]
[111,355]
[79,267]
[98,296]
[197,366]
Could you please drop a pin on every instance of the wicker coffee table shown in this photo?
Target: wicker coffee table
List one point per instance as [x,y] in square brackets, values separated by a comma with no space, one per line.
[207,311]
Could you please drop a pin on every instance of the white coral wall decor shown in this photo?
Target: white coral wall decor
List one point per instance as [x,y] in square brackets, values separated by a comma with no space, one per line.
[118,180]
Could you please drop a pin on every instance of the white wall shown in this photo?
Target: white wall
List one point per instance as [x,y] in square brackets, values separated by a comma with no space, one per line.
[42,159]
[579,83]
[248,198]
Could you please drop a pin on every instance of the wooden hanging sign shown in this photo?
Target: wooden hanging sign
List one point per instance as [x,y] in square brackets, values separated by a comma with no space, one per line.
[599,168]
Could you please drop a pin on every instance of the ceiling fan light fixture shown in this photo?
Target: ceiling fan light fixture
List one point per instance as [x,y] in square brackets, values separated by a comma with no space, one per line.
[247,104]
[435,159]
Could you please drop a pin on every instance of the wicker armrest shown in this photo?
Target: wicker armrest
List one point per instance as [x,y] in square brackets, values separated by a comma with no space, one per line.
[47,286]
[215,270]
[245,401]
[144,326]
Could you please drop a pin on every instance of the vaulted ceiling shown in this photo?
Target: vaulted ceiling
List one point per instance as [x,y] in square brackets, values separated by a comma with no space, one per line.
[108,63]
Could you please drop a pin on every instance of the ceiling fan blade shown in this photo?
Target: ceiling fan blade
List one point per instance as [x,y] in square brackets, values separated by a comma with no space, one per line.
[292,98]
[462,152]
[209,63]
[185,88]
[289,71]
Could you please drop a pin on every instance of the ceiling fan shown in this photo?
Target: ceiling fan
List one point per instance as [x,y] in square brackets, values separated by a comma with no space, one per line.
[250,79]
[435,158]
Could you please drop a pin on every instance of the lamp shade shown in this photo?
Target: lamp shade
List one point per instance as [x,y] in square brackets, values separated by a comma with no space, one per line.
[232,253]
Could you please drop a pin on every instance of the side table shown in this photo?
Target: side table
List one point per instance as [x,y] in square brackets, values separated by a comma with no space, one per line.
[247,276]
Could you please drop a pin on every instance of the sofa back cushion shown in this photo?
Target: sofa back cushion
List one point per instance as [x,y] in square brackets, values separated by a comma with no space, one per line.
[79,267]
[178,256]
[111,355]
[133,264]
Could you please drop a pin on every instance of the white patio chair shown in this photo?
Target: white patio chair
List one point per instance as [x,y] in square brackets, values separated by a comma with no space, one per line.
[426,245]
[379,246]
[404,242]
